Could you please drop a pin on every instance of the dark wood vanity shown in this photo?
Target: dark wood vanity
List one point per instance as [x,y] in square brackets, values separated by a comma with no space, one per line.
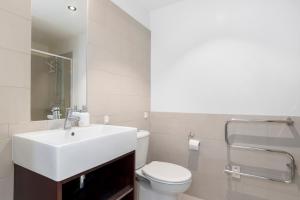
[111,181]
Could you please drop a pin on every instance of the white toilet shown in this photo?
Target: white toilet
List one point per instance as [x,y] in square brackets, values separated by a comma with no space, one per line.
[158,180]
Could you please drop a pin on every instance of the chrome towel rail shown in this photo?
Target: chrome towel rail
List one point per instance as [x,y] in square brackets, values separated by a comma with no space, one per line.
[288,121]
[291,165]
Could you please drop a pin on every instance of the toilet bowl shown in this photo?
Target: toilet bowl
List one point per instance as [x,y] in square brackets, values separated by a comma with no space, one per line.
[158,180]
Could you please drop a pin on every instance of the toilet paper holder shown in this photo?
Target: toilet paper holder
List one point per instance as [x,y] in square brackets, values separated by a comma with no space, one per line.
[193,144]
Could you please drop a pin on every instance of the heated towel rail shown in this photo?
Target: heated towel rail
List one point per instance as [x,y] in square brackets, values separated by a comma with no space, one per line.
[291,165]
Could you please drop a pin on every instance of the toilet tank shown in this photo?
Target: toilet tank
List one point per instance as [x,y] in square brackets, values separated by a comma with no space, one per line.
[142,148]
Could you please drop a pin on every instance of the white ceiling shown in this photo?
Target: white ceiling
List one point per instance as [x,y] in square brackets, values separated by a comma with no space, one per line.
[141,9]
[154,4]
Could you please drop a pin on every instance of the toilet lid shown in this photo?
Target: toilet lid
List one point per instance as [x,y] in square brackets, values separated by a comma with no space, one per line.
[166,172]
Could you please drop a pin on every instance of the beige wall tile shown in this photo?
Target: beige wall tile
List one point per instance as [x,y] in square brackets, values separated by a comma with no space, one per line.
[117,85]
[264,189]
[105,82]
[99,105]
[169,148]
[130,119]
[97,9]
[106,60]
[15,69]
[187,197]
[118,104]
[127,103]
[105,37]
[15,32]
[168,142]
[4,133]
[165,123]
[6,167]
[15,40]
[14,105]
[207,126]
[27,127]
[6,188]
[209,186]
[97,118]
[116,15]
[21,8]
[138,123]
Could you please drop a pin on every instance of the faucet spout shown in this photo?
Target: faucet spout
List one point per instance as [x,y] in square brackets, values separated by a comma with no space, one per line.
[70,118]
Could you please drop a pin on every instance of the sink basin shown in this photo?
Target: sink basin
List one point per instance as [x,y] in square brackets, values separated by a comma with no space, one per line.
[60,154]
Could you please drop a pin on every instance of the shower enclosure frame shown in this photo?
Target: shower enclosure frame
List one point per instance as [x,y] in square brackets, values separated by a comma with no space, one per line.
[45,53]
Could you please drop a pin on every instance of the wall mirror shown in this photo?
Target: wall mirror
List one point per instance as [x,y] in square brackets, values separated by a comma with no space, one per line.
[58,57]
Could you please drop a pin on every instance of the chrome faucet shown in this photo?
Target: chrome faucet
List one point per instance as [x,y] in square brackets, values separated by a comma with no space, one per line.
[55,111]
[70,118]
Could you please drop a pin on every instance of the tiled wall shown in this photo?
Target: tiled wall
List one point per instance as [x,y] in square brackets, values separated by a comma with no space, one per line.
[169,133]
[15,47]
[118,74]
[119,86]
[118,66]
[14,81]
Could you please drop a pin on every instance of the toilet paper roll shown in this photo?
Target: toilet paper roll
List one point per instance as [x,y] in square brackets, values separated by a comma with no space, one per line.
[194,145]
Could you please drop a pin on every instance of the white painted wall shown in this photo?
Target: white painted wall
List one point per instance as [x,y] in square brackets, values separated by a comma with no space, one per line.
[229,57]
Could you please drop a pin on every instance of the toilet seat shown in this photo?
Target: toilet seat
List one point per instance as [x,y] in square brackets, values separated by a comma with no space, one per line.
[166,173]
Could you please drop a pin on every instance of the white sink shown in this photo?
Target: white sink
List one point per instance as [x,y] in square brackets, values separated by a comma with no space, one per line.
[58,154]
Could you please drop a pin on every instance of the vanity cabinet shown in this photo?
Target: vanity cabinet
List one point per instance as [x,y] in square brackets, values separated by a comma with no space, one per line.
[111,181]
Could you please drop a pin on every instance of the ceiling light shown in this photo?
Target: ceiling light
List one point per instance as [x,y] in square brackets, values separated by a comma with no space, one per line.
[72,8]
